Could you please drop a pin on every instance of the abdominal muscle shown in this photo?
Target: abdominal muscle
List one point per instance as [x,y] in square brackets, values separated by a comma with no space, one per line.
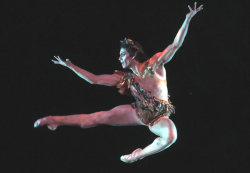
[157,84]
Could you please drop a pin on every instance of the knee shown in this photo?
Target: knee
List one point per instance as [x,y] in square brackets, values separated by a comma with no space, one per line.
[172,134]
[170,137]
[103,117]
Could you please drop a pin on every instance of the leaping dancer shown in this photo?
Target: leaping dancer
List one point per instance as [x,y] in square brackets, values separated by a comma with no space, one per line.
[146,82]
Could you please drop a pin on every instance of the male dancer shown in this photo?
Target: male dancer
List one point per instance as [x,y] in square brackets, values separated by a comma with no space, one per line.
[146,83]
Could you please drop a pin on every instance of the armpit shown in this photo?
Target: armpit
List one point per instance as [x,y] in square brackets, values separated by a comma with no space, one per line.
[107,79]
[153,63]
[124,82]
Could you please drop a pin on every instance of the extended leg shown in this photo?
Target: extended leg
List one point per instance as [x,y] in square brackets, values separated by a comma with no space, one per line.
[118,116]
[167,133]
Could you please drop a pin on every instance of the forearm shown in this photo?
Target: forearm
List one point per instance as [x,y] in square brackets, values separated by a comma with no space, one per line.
[182,33]
[89,77]
[169,52]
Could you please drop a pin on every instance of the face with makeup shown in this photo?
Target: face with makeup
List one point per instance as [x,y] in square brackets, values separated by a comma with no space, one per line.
[125,58]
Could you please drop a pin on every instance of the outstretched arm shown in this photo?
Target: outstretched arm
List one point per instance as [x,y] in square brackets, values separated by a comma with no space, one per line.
[105,79]
[169,52]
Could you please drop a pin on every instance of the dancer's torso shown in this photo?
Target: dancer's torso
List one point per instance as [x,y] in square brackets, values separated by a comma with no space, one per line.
[154,82]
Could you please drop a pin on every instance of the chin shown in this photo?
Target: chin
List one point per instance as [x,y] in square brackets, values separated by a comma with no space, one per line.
[124,66]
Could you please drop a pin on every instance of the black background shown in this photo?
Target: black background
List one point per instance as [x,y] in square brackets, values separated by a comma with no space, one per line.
[207,81]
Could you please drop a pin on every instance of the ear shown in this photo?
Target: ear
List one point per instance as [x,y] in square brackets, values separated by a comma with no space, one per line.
[135,55]
[126,40]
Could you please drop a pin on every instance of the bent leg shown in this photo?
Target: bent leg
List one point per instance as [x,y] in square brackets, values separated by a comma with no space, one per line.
[119,116]
[167,133]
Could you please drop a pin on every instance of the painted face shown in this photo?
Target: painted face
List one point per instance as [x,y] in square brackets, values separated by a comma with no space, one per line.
[124,58]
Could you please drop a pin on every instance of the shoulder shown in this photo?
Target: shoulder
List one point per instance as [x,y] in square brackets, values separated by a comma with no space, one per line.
[123,75]
[154,60]
[118,73]
[155,57]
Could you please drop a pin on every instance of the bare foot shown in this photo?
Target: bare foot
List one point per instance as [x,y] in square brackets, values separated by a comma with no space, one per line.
[50,121]
[133,157]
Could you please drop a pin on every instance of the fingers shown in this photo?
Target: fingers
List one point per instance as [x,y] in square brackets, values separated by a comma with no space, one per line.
[190,8]
[58,58]
[55,62]
[55,57]
[195,5]
[200,8]
[195,10]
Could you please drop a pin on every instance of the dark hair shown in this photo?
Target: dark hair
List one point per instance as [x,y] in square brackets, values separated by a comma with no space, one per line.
[134,49]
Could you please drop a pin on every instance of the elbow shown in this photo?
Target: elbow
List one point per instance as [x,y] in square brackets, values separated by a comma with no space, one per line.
[94,80]
[92,83]
[176,46]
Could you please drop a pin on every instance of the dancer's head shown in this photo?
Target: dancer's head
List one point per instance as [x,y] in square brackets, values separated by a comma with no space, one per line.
[131,50]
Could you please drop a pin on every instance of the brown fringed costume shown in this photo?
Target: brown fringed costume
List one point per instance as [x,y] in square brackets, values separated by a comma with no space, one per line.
[148,107]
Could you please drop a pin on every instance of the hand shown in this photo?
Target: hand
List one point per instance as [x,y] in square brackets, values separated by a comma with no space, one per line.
[193,12]
[66,63]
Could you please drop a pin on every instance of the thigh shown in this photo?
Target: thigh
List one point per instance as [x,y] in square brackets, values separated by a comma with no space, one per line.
[164,128]
[123,115]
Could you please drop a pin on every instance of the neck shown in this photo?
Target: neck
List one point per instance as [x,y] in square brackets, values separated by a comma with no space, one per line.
[136,68]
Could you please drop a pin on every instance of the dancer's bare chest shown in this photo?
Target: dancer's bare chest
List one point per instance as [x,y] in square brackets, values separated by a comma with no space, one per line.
[156,83]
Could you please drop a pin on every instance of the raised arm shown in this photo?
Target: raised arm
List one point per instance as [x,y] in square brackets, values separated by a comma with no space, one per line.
[169,52]
[105,79]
